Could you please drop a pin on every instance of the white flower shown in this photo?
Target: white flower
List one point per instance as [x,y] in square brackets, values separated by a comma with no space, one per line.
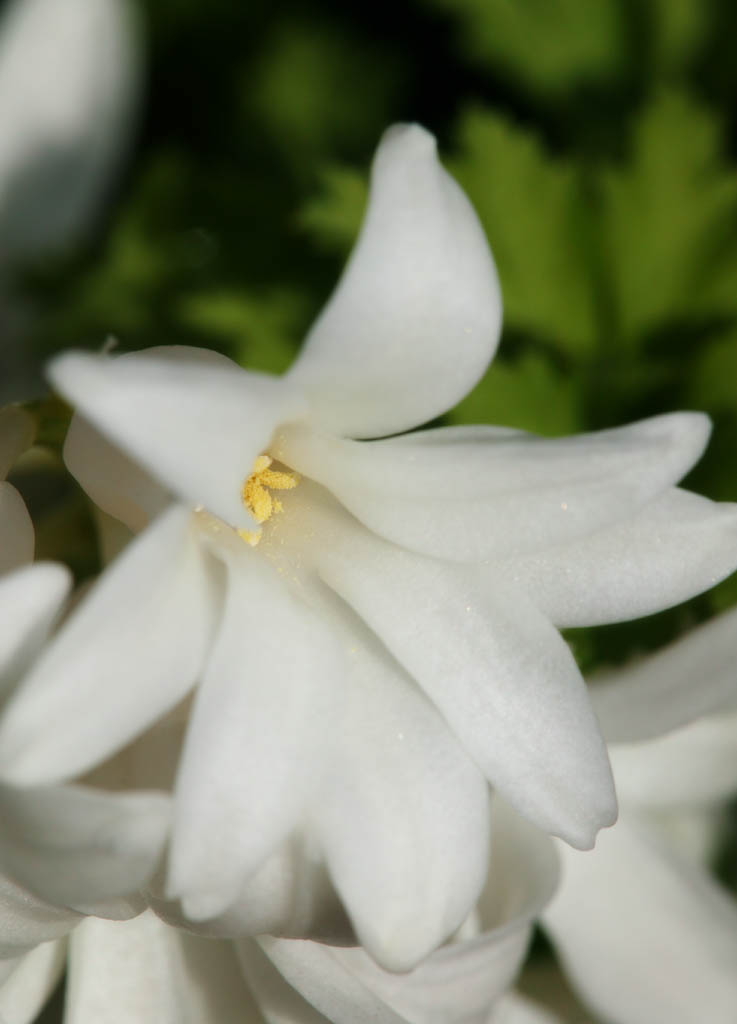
[373,625]
[646,934]
[68,84]
[143,970]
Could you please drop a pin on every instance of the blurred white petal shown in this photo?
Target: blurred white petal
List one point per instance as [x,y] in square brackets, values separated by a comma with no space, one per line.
[645,937]
[68,88]
[74,844]
[26,919]
[692,677]
[33,979]
[415,317]
[132,649]
[30,600]
[16,435]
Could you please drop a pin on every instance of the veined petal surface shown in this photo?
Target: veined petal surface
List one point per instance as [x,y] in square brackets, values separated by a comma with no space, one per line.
[451,495]
[128,653]
[683,965]
[192,418]
[502,677]
[677,546]
[74,844]
[415,318]
[666,690]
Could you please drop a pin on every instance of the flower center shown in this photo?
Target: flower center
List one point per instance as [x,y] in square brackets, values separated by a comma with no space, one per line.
[256,495]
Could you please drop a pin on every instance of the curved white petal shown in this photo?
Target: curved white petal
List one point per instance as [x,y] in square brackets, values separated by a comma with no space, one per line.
[443,494]
[30,600]
[26,920]
[130,651]
[192,418]
[643,936]
[17,538]
[415,317]
[143,971]
[24,992]
[16,434]
[695,764]
[117,484]
[73,844]
[677,546]
[255,748]
[459,982]
[692,677]
[403,811]
[497,670]
[515,1009]
[68,85]
[290,894]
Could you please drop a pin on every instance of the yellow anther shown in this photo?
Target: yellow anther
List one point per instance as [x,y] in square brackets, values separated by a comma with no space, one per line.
[255,494]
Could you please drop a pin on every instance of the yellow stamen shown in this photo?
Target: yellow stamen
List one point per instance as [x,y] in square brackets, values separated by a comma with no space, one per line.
[255,494]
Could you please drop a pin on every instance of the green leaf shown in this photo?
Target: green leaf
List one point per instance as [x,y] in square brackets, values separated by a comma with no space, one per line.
[529,394]
[670,214]
[536,215]
[713,384]
[260,331]
[548,47]
[333,216]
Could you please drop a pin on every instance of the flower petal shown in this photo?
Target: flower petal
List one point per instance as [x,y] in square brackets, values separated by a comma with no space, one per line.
[677,546]
[656,694]
[515,1009]
[403,812]
[16,434]
[693,765]
[129,652]
[415,318]
[24,992]
[458,983]
[644,936]
[30,600]
[144,971]
[16,530]
[68,87]
[26,920]
[73,844]
[254,749]
[445,494]
[290,894]
[117,484]
[496,669]
[192,418]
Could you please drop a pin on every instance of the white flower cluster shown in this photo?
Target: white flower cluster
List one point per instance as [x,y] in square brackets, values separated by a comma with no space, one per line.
[300,752]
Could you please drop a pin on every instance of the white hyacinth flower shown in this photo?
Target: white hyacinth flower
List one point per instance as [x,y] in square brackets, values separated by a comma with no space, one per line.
[144,970]
[645,933]
[372,624]
[68,86]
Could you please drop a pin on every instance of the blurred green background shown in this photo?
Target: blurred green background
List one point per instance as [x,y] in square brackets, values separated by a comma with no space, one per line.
[596,139]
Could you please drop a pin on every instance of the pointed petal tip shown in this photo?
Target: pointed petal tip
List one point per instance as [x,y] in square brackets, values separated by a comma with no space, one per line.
[406,139]
[582,834]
